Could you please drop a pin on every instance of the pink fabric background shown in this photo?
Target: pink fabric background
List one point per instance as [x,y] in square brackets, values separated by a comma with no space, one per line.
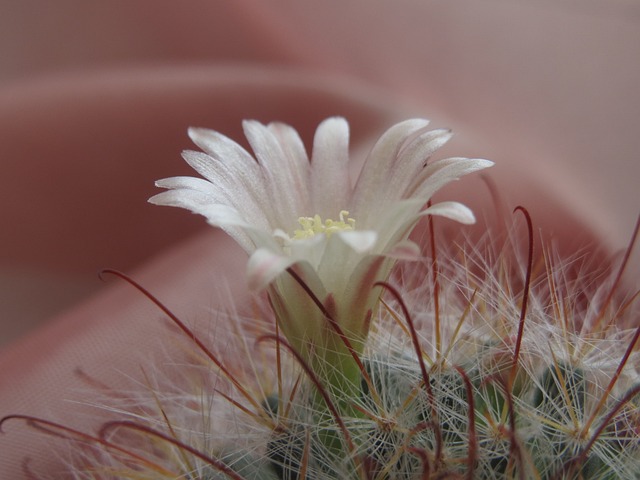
[95,99]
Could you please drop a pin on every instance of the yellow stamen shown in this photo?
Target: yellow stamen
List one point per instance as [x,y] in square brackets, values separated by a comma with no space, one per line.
[312,226]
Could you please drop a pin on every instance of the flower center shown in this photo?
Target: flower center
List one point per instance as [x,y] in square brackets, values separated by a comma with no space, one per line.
[312,226]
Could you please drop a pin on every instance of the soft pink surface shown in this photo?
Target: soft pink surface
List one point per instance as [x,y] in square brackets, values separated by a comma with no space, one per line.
[547,89]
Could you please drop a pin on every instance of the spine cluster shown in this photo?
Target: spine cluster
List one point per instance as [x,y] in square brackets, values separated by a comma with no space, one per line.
[485,370]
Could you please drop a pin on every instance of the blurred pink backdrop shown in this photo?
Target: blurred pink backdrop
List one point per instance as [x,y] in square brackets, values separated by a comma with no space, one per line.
[95,99]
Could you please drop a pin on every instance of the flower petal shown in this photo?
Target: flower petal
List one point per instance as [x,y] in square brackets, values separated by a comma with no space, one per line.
[292,146]
[309,249]
[453,210]
[243,189]
[187,183]
[217,215]
[221,147]
[283,186]
[330,187]
[405,250]
[264,266]
[225,159]
[438,174]
[360,241]
[360,295]
[412,159]
[393,222]
[375,171]
[298,315]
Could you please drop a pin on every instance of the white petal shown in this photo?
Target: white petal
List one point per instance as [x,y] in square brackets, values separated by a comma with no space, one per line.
[412,159]
[223,216]
[424,145]
[405,250]
[375,172]
[359,294]
[392,223]
[298,161]
[395,228]
[188,183]
[309,249]
[299,317]
[453,210]
[342,253]
[439,173]
[241,188]
[219,215]
[281,235]
[285,192]
[231,168]
[360,241]
[222,148]
[190,199]
[264,266]
[221,151]
[292,146]
[330,186]
[337,261]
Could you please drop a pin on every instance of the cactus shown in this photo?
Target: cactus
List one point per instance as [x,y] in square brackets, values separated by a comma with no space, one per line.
[452,405]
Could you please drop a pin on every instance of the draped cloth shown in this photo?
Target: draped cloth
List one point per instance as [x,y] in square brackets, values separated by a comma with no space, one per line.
[96,97]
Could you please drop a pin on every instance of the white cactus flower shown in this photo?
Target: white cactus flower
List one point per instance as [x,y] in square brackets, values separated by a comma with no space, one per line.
[340,235]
